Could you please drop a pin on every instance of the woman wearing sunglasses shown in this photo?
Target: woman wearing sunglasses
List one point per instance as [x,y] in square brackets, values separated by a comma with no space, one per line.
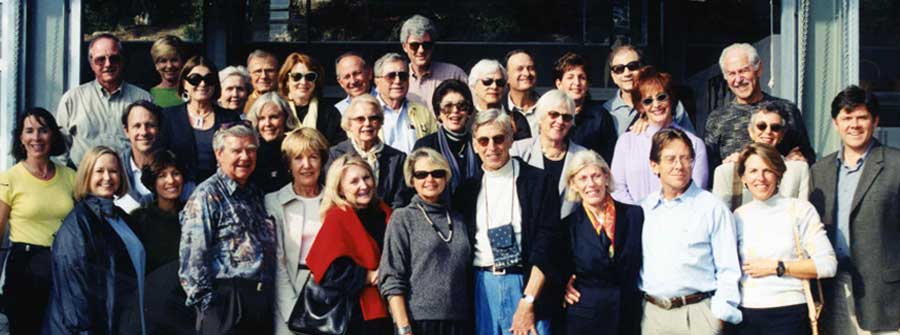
[630,166]
[767,127]
[300,82]
[487,81]
[424,269]
[270,116]
[552,149]
[187,129]
[363,121]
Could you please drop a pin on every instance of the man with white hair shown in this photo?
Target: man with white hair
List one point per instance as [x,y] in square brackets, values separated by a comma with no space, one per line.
[405,121]
[726,127]
[417,36]
[487,81]
[354,76]
[263,68]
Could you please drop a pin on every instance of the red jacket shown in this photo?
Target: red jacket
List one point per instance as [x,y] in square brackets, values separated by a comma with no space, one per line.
[343,235]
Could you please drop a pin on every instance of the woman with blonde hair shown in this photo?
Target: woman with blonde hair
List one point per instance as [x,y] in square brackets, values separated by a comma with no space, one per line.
[343,259]
[98,262]
[167,54]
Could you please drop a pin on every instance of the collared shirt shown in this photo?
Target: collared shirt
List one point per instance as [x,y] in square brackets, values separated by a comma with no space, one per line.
[726,129]
[225,233]
[631,171]
[623,114]
[89,116]
[137,184]
[421,87]
[397,130]
[345,102]
[498,205]
[690,246]
[848,179]
[529,113]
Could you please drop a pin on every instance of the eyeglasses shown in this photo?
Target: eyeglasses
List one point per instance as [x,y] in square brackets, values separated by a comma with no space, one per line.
[620,68]
[670,160]
[490,81]
[461,106]
[425,45]
[229,125]
[436,174]
[391,76]
[484,140]
[112,59]
[565,117]
[662,97]
[775,127]
[372,118]
[195,79]
[309,76]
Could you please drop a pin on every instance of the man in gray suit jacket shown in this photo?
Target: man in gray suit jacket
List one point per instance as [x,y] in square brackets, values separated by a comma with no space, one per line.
[857,193]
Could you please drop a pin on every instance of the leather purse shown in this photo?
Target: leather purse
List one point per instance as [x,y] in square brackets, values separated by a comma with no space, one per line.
[318,311]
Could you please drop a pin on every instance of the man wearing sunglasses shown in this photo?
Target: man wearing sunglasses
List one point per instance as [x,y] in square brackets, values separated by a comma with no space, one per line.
[417,36]
[624,63]
[405,121]
[726,126]
[88,114]
[513,212]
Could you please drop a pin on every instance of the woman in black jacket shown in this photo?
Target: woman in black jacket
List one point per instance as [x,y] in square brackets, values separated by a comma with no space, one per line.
[187,129]
[269,116]
[300,82]
[98,262]
[602,241]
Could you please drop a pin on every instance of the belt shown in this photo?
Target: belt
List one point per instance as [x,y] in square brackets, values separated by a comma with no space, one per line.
[255,285]
[676,302]
[17,246]
[505,271]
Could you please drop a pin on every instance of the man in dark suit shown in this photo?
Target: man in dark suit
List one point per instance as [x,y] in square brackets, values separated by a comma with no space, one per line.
[857,193]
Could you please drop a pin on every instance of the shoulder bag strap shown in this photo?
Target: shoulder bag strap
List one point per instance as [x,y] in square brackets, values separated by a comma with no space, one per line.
[814,309]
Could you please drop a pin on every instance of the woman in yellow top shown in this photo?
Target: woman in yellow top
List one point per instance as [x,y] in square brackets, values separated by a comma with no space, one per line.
[35,196]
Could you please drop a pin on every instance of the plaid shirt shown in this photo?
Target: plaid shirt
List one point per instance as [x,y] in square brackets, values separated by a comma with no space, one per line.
[225,233]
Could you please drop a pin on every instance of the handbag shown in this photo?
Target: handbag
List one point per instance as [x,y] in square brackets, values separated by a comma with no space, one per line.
[318,311]
[814,307]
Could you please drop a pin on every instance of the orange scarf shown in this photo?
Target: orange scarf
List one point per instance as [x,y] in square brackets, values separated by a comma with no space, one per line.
[606,222]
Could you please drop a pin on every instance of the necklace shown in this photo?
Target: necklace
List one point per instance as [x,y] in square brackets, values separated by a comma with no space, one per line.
[198,120]
[555,156]
[436,230]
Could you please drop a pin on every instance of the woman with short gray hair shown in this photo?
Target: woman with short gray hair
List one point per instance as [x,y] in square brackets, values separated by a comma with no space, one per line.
[270,116]
[235,87]
[487,81]
[424,269]
[552,149]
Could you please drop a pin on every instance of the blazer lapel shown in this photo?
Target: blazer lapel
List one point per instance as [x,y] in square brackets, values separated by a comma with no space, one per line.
[534,156]
[870,171]
[285,196]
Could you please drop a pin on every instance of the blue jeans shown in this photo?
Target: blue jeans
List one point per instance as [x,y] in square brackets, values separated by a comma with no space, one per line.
[496,300]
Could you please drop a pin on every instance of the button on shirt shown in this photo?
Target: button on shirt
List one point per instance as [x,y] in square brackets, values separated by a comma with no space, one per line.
[848,178]
[89,116]
[397,130]
[690,246]
[623,114]
[225,233]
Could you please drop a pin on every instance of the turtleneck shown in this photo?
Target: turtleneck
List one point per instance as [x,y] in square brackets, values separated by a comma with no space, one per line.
[456,142]
[505,171]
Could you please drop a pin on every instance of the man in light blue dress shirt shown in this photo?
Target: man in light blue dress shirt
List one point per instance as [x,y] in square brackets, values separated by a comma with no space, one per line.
[405,121]
[690,269]
[354,76]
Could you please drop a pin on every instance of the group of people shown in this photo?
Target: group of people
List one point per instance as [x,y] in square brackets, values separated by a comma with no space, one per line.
[439,202]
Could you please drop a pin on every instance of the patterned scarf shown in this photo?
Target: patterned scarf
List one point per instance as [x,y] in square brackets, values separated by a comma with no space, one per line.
[370,156]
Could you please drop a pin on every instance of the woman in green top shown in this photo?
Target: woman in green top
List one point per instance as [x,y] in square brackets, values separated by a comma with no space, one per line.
[167,57]
[35,196]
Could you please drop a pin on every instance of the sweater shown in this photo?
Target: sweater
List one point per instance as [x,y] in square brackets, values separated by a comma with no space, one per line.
[416,263]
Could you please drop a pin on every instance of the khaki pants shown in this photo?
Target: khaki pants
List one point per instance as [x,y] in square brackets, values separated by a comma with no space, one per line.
[694,319]
[841,316]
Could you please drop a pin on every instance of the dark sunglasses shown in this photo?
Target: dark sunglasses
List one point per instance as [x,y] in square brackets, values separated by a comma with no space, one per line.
[229,125]
[775,127]
[565,117]
[436,174]
[620,68]
[662,97]
[309,76]
[371,118]
[461,106]
[425,45]
[112,59]
[391,76]
[484,140]
[195,79]
[490,81]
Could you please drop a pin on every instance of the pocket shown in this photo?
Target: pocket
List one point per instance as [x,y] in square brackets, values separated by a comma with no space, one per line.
[714,323]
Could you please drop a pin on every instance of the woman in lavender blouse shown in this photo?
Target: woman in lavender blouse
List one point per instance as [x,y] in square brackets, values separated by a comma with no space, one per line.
[631,160]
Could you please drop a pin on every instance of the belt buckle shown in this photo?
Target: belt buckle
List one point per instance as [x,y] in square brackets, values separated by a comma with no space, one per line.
[496,272]
[665,303]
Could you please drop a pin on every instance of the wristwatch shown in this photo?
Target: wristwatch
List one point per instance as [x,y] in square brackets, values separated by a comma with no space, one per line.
[404,330]
[528,298]
[779,271]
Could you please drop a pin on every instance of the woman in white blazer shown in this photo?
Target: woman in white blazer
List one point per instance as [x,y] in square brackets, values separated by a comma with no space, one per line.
[295,208]
[551,149]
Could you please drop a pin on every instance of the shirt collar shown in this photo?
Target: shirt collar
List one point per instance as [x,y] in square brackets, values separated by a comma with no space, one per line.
[840,155]
[426,74]
[230,185]
[103,91]
[513,106]
[618,103]
[386,108]
[657,198]
[286,194]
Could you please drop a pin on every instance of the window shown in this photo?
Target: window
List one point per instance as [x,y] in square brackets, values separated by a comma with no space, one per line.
[879,39]
[141,20]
